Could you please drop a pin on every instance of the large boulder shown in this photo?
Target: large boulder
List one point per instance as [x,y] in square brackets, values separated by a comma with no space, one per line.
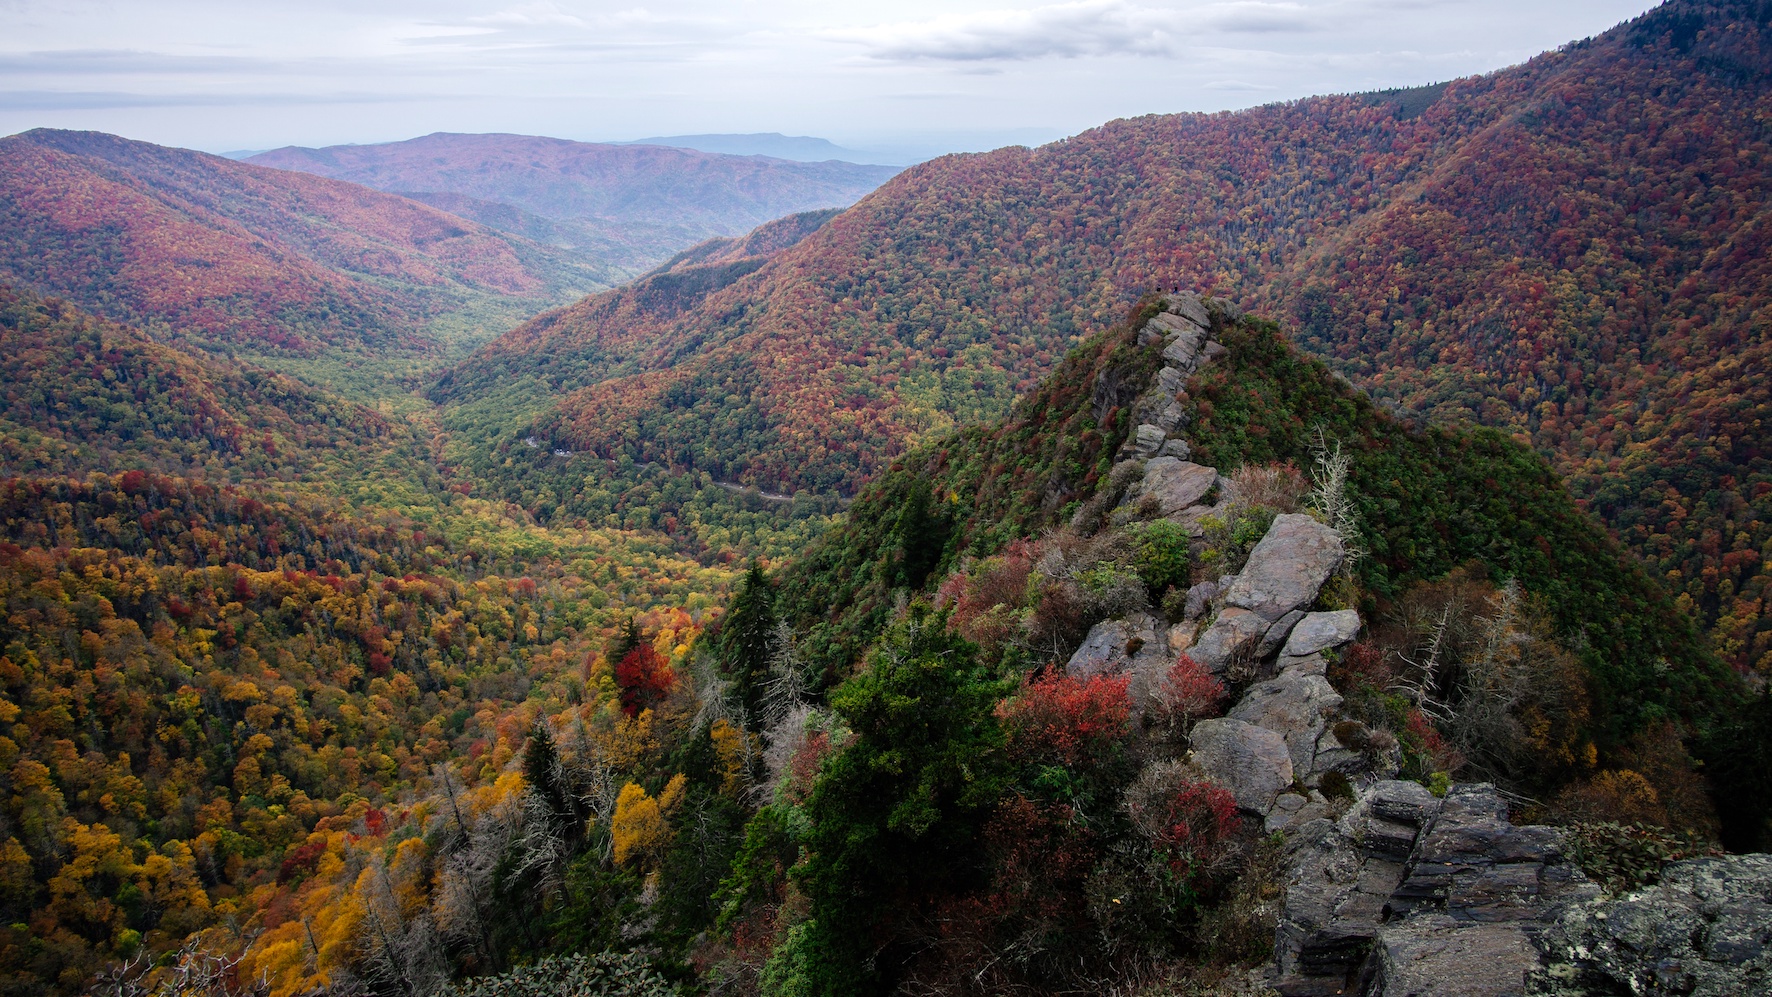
[1186,345]
[1287,568]
[1297,707]
[1322,631]
[1235,633]
[1332,908]
[1446,896]
[1705,930]
[1252,762]
[1176,485]
[1140,642]
[1146,440]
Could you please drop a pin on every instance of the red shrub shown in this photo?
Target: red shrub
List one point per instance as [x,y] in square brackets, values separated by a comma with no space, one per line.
[1190,823]
[1434,753]
[1064,720]
[1364,664]
[1185,694]
[645,679]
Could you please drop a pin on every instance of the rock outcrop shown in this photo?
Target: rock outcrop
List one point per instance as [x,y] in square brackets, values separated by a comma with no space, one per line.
[1297,706]
[1138,643]
[1704,930]
[1394,892]
[1287,568]
[1252,762]
[1408,894]
[1175,486]
[1322,632]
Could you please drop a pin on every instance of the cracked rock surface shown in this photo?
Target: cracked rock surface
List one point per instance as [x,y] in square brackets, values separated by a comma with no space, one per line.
[1704,930]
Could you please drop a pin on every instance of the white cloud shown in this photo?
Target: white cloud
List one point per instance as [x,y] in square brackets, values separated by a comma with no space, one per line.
[1073,30]
[1065,30]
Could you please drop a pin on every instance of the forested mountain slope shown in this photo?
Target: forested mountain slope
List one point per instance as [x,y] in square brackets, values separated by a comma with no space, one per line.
[1571,249]
[80,394]
[229,255]
[632,204]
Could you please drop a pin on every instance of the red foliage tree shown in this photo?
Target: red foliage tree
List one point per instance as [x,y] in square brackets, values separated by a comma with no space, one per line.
[645,679]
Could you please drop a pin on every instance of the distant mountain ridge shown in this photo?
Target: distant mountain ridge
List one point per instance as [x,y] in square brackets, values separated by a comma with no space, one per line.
[1573,249]
[800,148]
[237,255]
[633,204]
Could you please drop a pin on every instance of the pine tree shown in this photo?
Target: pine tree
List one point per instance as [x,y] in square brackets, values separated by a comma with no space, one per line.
[746,638]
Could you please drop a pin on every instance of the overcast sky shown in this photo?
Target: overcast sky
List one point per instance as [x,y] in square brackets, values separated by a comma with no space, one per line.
[253,74]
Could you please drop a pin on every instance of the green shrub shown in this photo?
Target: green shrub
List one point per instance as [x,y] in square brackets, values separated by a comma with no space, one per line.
[1160,555]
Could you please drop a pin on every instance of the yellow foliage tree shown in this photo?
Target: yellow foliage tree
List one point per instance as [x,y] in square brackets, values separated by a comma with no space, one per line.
[641,829]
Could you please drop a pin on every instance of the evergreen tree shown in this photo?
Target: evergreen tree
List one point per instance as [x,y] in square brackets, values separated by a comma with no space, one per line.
[922,533]
[541,771]
[746,638]
[897,815]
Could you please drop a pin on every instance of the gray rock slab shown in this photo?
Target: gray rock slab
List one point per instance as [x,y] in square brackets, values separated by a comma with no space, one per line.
[1178,449]
[1287,568]
[1310,664]
[1445,958]
[1115,647]
[1252,762]
[1147,439]
[1296,707]
[1234,633]
[1403,801]
[1705,929]
[1312,940]
[1171,380]
[1322,631]
[1186,347]
[1189,306]
[1175,484]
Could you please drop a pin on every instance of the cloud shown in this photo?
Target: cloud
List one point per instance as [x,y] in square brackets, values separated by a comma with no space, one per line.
[1073,30]
[1235,86]
[1064,30]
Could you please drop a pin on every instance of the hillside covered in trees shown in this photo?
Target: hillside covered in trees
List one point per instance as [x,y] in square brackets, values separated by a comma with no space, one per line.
[228,256]
[1570,250]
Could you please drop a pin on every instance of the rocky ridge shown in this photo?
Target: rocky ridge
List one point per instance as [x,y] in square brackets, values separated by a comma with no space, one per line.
[1394,891]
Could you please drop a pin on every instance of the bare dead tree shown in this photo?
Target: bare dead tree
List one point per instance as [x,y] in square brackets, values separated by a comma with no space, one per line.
[196,972]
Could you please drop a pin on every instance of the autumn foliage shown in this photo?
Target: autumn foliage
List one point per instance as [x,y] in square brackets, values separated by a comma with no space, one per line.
[1067,721]
[644,677]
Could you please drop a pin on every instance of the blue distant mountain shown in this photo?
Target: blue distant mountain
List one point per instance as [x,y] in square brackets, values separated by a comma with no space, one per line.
[800,148]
